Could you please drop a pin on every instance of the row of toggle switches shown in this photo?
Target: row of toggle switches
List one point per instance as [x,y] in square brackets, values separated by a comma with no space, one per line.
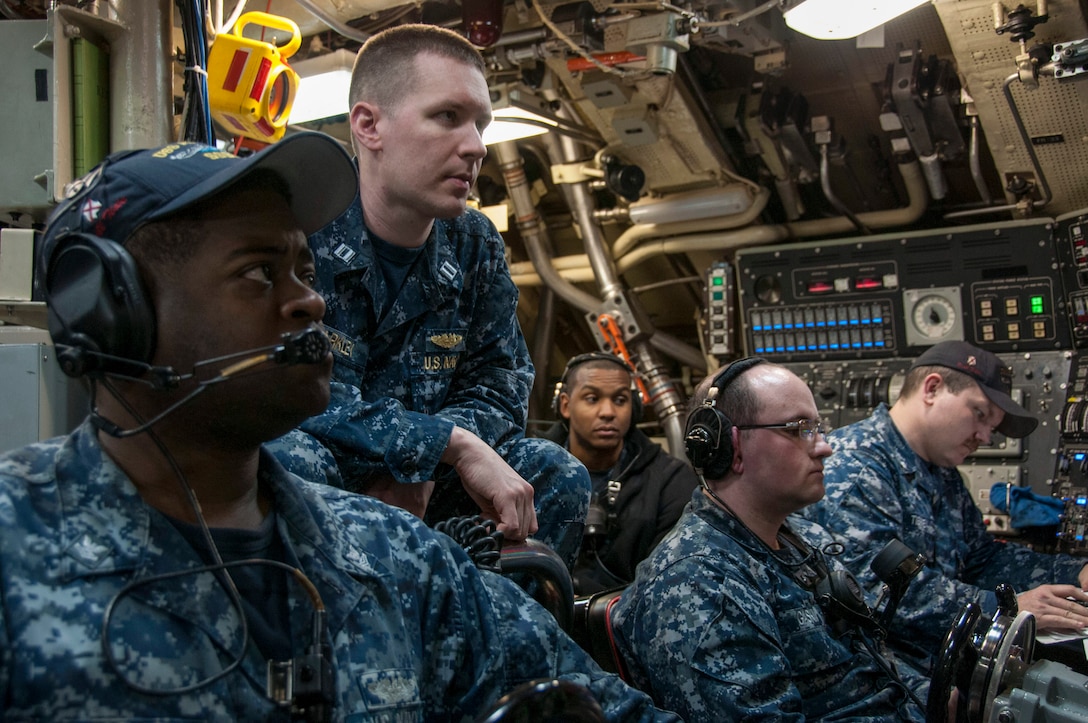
[819,317]
[827,328]
[868,339]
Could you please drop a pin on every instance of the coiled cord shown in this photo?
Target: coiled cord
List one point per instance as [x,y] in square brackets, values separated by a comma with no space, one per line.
[479,537]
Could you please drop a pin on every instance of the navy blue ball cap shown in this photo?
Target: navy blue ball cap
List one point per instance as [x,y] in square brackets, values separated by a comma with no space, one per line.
[993,377]
[132,188]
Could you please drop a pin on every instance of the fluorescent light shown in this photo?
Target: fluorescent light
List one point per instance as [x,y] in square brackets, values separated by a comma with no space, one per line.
[517,112]
[323,86]
[840,19]
[511,124]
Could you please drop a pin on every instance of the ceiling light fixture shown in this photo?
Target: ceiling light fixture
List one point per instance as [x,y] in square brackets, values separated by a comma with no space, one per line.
[323,86]
[842,19]
[517,113]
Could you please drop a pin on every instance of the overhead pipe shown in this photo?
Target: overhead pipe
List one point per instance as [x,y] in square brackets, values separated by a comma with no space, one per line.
[141,76]
[532,228]
[666,401]
[640,232]
[829,193]
[1029,147]
[333,22]
[686,237]
[667,344]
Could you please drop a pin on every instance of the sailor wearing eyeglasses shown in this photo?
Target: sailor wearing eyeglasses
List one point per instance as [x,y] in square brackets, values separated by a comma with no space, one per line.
[894,475]
[742,612]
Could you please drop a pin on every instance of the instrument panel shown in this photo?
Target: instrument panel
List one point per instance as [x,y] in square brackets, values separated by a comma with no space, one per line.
[890,295]
[848,316]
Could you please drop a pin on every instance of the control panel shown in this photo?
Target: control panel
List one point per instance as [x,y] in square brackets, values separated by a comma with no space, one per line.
[892,295]
[720,309]
[1071,239]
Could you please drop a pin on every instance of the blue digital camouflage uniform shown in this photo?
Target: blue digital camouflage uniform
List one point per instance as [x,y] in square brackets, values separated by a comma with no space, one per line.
[448,352]
[879,489]
[416,632]
[716,628]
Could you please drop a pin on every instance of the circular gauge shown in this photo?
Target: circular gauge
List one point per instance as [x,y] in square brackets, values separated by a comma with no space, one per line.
[768,289]
[933,316]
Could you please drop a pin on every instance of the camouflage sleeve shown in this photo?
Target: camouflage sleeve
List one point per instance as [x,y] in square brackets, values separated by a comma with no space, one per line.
[367,437]
[866,516]
[711,641]
[489,395]
[462,637]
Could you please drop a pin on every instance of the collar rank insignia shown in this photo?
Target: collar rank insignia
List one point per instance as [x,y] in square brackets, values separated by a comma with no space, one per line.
[446,341]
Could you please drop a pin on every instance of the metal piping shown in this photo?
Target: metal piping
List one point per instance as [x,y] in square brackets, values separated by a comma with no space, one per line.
[679,238]
[636,234]
[1026,140]
[667,402]
[333,22]
[829,193]
[1044,187]
[141,80]
[532,229]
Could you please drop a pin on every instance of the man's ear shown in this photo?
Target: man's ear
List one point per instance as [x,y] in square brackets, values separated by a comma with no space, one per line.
[738,457]
[364,119]
[931,384]
[564,406]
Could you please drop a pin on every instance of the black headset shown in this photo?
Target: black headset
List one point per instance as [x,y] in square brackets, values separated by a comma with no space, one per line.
[100,314]
[708,437]
[636,397]
[837,592]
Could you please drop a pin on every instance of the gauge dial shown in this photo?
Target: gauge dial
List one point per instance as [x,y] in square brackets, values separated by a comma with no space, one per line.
[934,317]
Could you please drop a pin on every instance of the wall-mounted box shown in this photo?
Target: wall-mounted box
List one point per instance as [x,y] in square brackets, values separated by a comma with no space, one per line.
[39,400]
[16,264]
[26,115]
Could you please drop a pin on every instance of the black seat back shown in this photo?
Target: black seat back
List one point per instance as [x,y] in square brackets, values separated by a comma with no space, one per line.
[592,629]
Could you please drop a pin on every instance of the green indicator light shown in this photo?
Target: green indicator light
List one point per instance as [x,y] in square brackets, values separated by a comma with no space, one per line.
[717,281]
[1036,305]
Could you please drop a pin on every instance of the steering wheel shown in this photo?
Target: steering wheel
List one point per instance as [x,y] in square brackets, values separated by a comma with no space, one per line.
[957,660]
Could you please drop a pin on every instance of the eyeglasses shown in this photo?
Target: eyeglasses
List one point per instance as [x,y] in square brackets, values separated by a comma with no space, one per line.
[805,429]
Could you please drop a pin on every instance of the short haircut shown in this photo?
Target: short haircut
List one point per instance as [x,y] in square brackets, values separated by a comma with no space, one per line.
[575,374]
[737,401]
[956,381]
[384,69]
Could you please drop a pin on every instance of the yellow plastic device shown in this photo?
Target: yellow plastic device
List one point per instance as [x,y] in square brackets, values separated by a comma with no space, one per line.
[250,86]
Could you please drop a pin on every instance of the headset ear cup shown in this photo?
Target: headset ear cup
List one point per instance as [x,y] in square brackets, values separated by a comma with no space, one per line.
[708,442]
[97,306]
[709,432]
[843,600]
[555,399]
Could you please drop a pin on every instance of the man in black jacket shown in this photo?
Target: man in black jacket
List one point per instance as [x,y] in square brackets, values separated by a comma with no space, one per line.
[639,490]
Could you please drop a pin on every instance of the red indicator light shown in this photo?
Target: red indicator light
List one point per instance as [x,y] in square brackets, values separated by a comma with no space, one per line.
[819,287]
[868,284]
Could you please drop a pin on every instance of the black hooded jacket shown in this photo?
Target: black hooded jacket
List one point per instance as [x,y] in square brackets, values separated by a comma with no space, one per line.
[654,489]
